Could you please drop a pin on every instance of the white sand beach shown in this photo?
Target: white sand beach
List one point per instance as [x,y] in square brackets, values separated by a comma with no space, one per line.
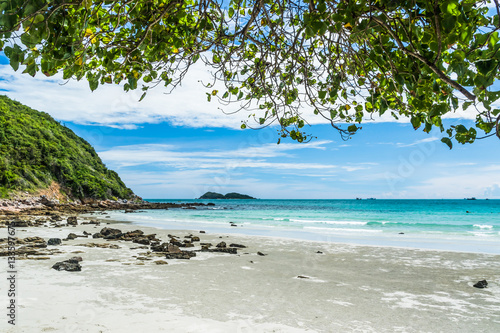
[293,288]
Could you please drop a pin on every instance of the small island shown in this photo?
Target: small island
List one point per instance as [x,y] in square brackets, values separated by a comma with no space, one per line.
[232,195]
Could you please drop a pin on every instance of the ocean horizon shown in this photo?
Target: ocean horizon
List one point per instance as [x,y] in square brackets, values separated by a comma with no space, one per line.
[436,224]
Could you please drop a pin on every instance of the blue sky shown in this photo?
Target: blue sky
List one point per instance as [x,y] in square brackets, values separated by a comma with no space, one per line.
[180,146]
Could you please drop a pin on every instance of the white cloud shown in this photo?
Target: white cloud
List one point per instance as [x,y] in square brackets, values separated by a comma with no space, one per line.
[417,142]
[250,157]
[109,105]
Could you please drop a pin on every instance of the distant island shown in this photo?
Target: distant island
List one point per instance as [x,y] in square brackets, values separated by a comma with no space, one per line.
[232,195]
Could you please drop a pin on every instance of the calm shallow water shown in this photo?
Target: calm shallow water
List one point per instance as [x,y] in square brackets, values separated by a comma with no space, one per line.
[456,225]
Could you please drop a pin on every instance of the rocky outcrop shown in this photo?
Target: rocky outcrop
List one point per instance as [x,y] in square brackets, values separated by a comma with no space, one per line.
[481,284]
[237,245]
[231,250]
[54,241]
[70,265]
[72,220]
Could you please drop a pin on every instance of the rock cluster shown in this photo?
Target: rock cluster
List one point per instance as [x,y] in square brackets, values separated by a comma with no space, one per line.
[70,265]
[53,216]
[25,248]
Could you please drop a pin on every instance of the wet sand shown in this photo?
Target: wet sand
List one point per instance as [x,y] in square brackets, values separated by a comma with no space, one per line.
[346,288]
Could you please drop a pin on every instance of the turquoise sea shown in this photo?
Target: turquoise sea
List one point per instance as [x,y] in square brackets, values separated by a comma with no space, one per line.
[455,225]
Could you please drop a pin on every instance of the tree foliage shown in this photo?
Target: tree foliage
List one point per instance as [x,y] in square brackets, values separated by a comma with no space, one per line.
[346,61]
[36,150]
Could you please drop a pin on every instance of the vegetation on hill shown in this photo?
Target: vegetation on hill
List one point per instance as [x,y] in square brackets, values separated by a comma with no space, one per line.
[232,195]
[36,152]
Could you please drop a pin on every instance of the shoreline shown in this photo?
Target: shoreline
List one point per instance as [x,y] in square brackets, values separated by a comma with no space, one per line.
[290,289]
[373,239]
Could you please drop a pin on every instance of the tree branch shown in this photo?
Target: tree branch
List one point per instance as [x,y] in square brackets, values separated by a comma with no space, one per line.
[427,62]
[498,126]
[438,31]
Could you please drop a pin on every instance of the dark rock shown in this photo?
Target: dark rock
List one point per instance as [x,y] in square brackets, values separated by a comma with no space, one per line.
[143,241]
[319,252]
[165,247]
[56,218]
[72,220]
[34,239]
[71,236]
[97,235]
[195,239]
[33,242]
[202,232]
[18,223]
[70,265]
[231,250]
[132,234]
[173,249]
[233,225]
[261,254]
[129,211]
[180,255]
[54,241]
[46,202]
[401,233]
[481,284]
[302,277]
[237,245]
[176,242]
[221,245]
[161,262]
[158,247]
[110,231]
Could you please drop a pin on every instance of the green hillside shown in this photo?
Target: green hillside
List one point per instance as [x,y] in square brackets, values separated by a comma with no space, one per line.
[37,152]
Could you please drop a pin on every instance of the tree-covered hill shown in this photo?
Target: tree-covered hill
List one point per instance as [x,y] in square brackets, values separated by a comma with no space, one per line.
[37,152]
[232,195]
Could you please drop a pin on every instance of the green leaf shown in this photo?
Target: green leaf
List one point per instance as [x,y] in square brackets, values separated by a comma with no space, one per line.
[452,9]
[352,128]
[493,39]
[486,66]
[415,121]
[448,142]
